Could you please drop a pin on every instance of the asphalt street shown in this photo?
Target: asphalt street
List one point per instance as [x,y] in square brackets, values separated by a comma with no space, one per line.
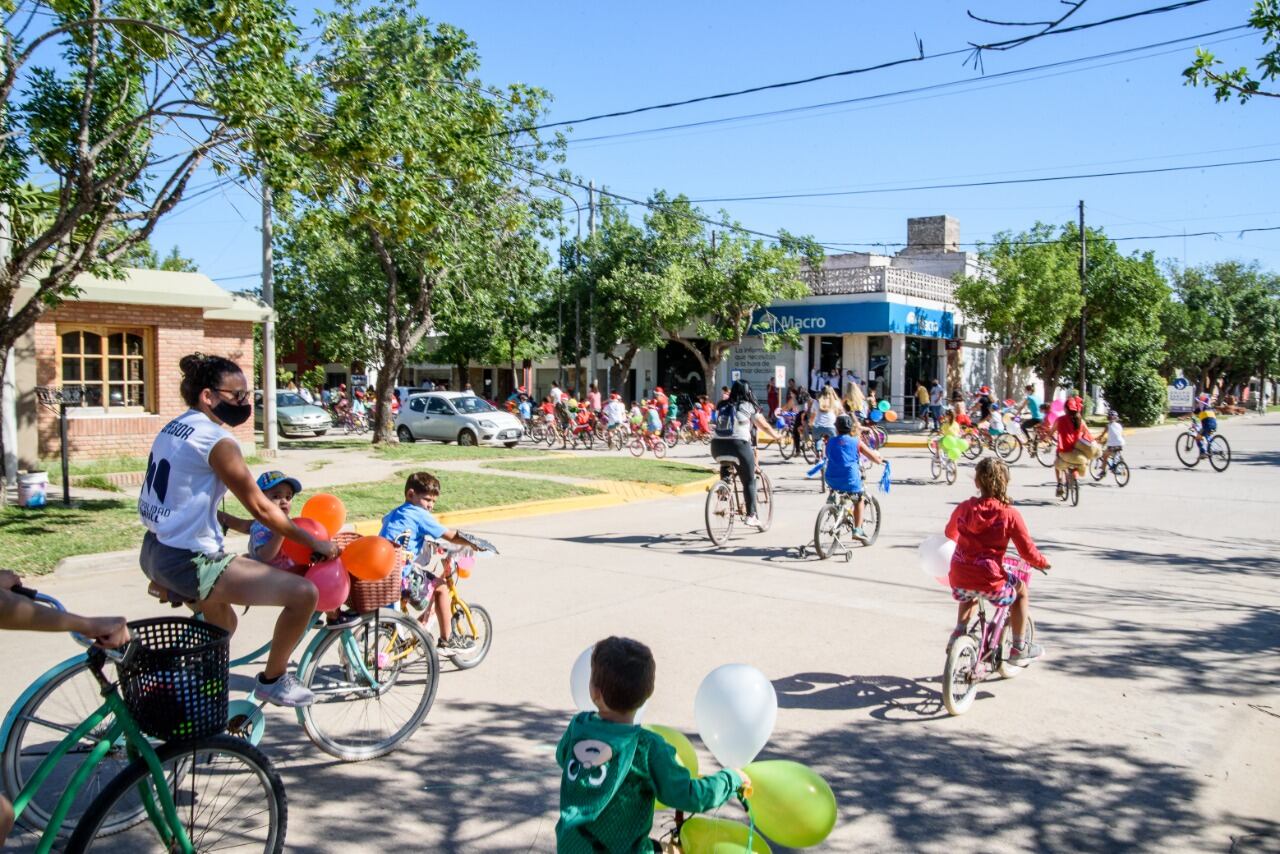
[1154,723]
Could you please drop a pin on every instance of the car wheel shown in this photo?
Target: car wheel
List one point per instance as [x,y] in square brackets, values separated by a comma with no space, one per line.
[404,433]
[321,432]
[467,438]
[510,444]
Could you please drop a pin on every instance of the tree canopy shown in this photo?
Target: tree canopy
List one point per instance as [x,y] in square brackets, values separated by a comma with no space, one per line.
[1241,83]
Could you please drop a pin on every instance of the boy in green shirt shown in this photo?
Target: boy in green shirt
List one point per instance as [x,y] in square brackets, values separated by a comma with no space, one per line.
[612,770]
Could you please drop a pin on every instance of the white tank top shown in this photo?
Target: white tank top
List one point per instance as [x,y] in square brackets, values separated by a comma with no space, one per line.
[180,494]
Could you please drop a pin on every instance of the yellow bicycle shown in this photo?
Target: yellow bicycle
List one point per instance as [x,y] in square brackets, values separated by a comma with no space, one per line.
[470,623]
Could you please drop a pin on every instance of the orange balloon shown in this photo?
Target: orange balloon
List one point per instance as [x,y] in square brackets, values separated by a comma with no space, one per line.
[370,558]
[326,509]
[888,416]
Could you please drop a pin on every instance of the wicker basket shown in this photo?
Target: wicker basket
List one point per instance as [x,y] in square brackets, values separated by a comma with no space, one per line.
[368,596]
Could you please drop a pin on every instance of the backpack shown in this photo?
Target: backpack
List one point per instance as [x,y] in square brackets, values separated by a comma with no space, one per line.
[726,417]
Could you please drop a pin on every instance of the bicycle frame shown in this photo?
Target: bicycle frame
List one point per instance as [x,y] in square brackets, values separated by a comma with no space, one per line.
[164,818]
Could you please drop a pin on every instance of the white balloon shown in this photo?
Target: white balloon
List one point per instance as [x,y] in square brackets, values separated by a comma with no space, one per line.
[935,555]
[735,709]
[580,681]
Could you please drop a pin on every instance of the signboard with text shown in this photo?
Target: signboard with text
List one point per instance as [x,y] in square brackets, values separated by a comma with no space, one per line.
[752,362]
[1180,399]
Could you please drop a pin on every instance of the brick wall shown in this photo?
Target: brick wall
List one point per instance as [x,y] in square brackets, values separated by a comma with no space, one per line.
[175,333]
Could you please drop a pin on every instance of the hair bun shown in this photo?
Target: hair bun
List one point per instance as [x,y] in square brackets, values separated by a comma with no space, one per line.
[191,363]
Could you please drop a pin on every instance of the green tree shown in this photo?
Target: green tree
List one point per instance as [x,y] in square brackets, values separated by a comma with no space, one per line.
[412,165]
[122,103]
[1033,307]
[1241,83]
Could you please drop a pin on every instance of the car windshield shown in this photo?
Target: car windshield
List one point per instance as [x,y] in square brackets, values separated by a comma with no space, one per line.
[470,405]
[288,398]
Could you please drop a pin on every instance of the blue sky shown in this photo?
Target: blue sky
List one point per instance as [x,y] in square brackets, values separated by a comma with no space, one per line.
[1121,113]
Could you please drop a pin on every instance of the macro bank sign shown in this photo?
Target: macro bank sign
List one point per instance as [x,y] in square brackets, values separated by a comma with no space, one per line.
[881,318]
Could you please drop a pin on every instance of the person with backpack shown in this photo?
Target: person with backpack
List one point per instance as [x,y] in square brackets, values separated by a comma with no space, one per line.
[738,417]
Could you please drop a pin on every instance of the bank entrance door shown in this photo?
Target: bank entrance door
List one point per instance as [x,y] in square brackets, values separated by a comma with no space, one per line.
[879,362]
[825,353]
[922,364]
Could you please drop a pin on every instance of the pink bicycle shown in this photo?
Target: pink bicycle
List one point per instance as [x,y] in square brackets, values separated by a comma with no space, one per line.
[984,650]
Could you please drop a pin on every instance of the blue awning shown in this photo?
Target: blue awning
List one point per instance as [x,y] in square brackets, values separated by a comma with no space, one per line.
[877,318]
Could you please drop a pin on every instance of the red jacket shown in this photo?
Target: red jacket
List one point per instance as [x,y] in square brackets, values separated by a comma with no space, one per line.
[1068,434]
[982,529]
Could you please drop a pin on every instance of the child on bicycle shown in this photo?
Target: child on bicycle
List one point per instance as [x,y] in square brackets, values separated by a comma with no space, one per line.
[20,613]
[843,472]
[1203,412]
[982,529]
[612,769]
[412,524]
[653,421]
[1115,438]
[264,544]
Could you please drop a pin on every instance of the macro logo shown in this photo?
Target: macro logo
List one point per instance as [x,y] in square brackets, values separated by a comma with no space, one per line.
[925,325]
[772,323]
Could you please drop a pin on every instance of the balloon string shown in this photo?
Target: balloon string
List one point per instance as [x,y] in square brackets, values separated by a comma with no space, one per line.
[751,825]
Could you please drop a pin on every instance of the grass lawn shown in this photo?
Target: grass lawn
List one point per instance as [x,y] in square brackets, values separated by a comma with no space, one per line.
[431,451]
[33,541]
[664,472]
[108,465]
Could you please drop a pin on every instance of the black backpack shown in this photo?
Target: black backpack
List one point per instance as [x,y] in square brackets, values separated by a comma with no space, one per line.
[726,417]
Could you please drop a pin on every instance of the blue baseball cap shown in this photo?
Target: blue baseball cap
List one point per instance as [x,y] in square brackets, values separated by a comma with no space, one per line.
[271,479]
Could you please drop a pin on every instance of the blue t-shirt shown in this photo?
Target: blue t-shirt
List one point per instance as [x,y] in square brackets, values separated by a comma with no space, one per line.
[418,523]
[526,410]
[843,474]
[1033,406]
[259,536]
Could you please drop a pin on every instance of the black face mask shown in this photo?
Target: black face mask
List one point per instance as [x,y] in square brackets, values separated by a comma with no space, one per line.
[232,414]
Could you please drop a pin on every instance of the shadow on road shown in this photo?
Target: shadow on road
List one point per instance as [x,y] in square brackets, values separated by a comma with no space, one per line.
[890,698]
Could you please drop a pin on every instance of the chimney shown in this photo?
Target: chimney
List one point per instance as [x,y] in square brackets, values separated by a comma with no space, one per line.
[933,234]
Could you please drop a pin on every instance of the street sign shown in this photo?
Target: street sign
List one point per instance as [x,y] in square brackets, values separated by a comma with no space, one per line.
[360,380]
[735,375]
[954,344]
[1180,383]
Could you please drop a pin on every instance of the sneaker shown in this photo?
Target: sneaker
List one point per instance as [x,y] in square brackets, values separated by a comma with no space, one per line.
[861,536]
[285,691]
[956,634]
[752,521]
[344,619]
[455,644]
[1025,654]
[1060,492]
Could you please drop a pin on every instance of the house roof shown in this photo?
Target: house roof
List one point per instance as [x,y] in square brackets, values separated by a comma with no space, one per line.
[167,288]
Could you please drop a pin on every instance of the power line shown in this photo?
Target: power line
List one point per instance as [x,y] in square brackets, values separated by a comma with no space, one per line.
[995,183]
[1240,233]
[1052,28]
[912,91]
[920,56]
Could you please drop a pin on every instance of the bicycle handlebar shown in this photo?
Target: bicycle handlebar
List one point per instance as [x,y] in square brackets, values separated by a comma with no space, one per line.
[118,656]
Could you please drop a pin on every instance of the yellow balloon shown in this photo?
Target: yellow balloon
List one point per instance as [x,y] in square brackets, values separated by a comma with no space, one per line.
[685,754]
[791,803]
[701,835]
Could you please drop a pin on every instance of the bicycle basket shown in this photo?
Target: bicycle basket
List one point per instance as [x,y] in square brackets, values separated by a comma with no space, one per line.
[175,686]
[368,596]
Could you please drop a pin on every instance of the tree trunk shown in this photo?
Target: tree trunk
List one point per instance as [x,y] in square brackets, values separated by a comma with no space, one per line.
[393,359]
[623,364]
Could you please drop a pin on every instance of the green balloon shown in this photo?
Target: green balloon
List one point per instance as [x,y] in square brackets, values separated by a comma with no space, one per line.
[686,756]
[883,406]
[791,803]
[700,835]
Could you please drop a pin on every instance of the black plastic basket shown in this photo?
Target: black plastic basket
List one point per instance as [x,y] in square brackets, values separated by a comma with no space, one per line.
[175,684]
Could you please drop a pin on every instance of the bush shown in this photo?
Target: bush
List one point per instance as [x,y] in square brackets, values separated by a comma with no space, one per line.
[1138,393]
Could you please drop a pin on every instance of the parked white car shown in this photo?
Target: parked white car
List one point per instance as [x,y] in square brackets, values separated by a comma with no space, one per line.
[455,416]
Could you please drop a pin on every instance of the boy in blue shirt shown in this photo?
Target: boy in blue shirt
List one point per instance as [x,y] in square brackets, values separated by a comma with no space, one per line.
[843,473]
[410,526]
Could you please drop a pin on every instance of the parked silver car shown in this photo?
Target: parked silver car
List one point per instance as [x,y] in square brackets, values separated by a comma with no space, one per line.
[293,414]
[455,416]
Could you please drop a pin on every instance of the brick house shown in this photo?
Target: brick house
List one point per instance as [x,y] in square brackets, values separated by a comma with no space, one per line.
[121,341]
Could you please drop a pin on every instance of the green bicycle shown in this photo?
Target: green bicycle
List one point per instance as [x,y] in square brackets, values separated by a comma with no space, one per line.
[371,695]
[192,790]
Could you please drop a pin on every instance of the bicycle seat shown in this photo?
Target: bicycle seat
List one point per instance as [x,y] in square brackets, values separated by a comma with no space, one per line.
[164,594]
[726,459]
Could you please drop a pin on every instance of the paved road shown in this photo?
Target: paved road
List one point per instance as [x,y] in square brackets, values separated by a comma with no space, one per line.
[1154,725]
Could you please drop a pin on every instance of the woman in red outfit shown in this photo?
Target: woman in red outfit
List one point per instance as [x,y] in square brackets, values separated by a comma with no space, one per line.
[982,528]
[1069,429]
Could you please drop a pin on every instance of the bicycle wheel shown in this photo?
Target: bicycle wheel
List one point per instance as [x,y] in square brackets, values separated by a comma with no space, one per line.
[1097,469]
[1007,670]
[588,438]
[786,446]
[827,528]
[659,448]
[975,445]
[1121,471]
[764,501]
[719,512]
[1009,448]
[354,719]
[636,447]
[952,472]
[870,519]
[1188,450]
[809,449]
[1044,452]
[60,705]
[226,793]
[1219,453]
[935,467]
[481,636]
[671,435]
[1073,489]
[959,676]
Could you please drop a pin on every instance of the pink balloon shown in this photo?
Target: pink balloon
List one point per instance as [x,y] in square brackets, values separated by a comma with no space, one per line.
[332,582]
[944,580]
[465,562]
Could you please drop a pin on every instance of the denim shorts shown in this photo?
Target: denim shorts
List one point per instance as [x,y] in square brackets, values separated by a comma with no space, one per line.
[1004,596]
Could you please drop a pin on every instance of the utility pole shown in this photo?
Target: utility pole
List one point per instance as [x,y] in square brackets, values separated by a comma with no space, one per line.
[1084,249]
[268,328]
[591,294]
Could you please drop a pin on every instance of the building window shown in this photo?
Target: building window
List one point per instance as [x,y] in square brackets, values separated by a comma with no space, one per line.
[111,364]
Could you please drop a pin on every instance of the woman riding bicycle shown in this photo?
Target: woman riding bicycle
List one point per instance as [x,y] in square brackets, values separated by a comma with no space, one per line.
[824,412]
[194,460]
[1070,429]
[737,419]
